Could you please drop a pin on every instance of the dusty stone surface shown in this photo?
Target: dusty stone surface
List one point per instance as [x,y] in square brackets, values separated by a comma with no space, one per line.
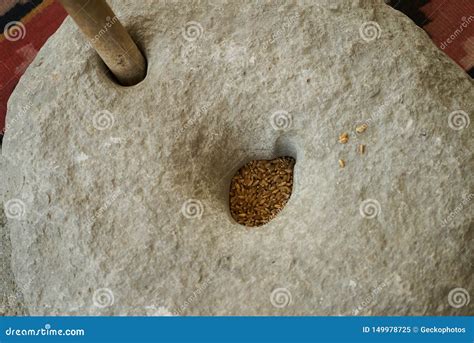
[122,193]
[11,298]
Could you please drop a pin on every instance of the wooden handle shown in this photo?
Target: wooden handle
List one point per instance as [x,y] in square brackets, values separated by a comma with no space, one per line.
[109,38]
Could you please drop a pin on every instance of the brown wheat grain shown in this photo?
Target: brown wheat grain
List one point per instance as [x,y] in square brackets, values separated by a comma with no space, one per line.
[260,190]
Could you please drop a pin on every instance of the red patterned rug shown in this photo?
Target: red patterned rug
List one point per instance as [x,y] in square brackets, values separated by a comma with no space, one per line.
[25,27]
[26,24]
[450,24]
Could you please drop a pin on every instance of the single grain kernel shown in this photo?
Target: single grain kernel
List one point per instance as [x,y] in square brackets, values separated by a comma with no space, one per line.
[343,138]
[361,128]
[342,163]
[361,149]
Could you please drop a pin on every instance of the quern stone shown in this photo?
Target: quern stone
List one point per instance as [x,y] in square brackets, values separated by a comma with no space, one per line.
[120,199]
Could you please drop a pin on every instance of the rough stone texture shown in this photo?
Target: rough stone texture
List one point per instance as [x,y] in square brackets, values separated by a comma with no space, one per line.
[140,208]
[11,299]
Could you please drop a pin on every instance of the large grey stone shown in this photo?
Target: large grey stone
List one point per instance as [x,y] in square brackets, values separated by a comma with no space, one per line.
[11,299]
[121,199]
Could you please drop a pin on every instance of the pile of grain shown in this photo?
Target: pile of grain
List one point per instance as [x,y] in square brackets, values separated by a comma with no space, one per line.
[260,189]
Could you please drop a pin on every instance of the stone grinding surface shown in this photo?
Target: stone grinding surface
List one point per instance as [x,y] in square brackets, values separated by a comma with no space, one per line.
[125,190]
[260,190]
[11,299]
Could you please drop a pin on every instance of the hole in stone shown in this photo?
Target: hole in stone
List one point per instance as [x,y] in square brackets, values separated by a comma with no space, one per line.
[260,189]
[138,41]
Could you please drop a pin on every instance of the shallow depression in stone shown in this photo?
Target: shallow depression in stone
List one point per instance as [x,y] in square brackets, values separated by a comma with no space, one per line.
[260,190]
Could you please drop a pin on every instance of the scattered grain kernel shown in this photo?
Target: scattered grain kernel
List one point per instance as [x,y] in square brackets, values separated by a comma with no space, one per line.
[361,128]
[342,163]
[344,138]
[361,149]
